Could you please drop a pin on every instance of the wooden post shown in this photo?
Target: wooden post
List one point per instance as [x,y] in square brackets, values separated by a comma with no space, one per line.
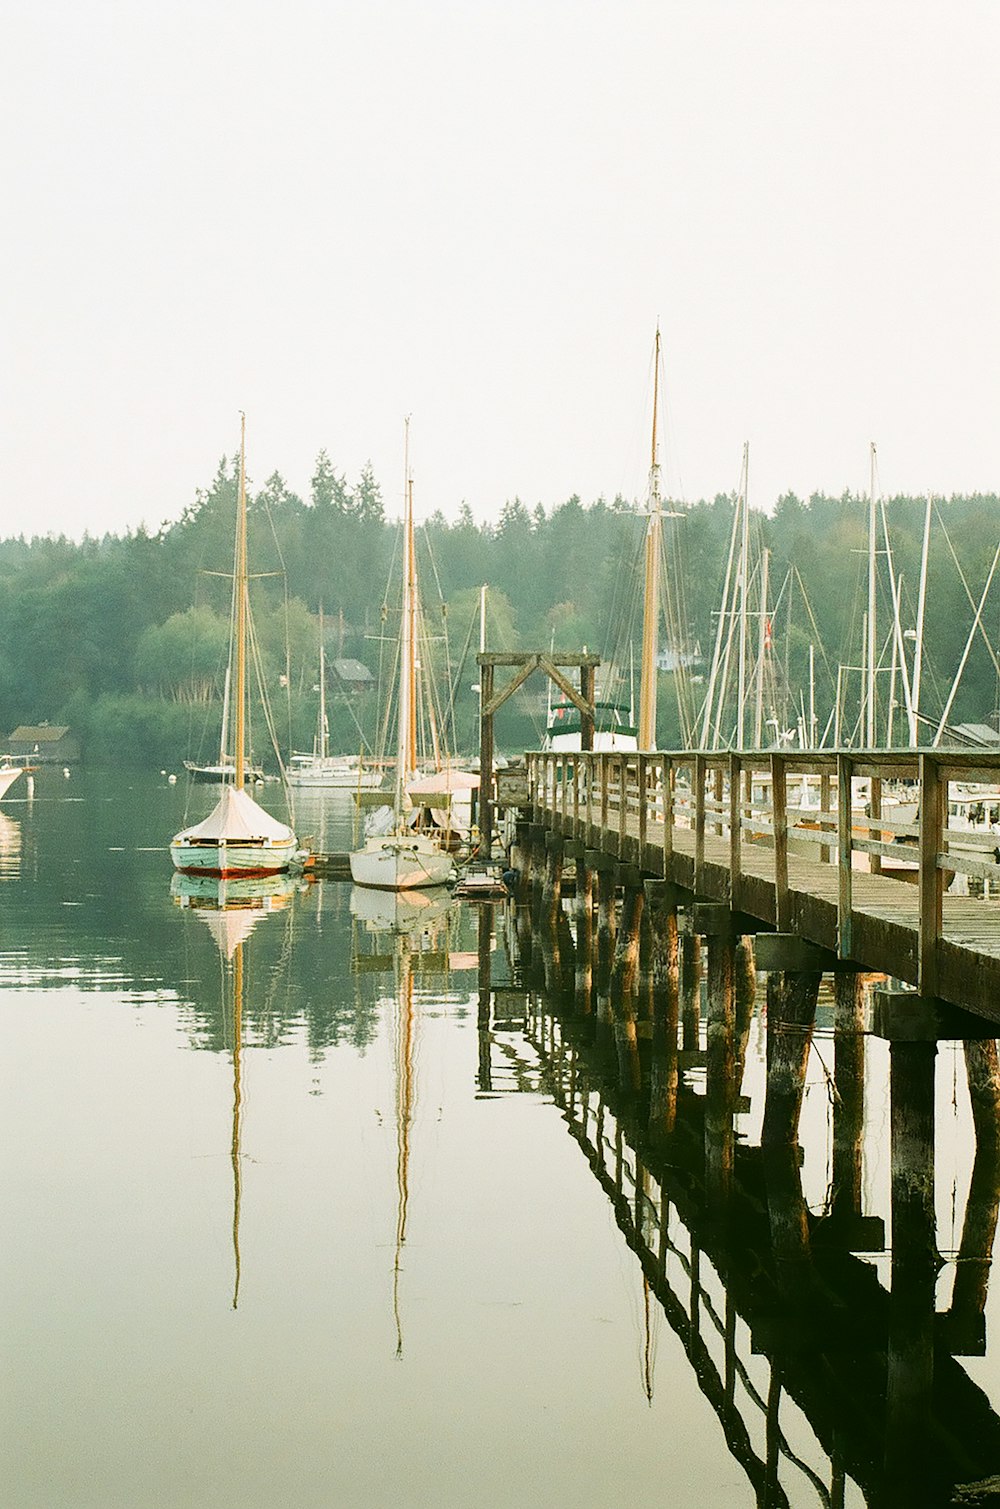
[849,1102]
[915,1261]
[699,819]
[584,907]
[779,807]
[642,773]
[623,982]
[972,1271]
[587,718]
[735,828]
[930,879]
[484,1078]
[667,794]
[845,943]
[874,831]
[664,1075]
[691,991]
[551,904]
[789,1036]
[486,760]
[720,1066]
[824,810]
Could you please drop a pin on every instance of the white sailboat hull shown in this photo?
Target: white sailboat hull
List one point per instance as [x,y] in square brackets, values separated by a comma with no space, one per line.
[400,863]
[333,775]
[8,775]
[231,860]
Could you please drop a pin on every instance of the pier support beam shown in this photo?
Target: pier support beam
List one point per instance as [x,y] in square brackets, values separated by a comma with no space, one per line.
[791,1011]
[691,991]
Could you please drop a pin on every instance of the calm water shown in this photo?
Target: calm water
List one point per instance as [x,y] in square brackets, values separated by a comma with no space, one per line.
[283,1226]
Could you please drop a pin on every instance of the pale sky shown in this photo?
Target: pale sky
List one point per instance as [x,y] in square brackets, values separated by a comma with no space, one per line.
[335,214]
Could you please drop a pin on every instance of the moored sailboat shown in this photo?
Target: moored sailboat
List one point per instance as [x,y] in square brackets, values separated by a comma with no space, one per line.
[322,770]
[9,773]
[238,838]
[401,858]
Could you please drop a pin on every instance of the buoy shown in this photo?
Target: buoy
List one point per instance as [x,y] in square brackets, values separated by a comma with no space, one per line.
[66,771]
[171,780]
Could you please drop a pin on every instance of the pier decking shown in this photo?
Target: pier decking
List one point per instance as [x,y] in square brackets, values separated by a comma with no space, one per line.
[880,860]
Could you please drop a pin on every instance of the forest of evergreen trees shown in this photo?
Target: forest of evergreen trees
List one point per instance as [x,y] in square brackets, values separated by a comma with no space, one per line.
[124,638]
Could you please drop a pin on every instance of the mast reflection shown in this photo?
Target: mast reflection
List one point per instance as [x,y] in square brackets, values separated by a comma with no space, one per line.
[397,932]
[231,909]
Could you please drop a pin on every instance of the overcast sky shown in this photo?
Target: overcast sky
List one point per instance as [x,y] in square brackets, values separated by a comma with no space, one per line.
[335,214]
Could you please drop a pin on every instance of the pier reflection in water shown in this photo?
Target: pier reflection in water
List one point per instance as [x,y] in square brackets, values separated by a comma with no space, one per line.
[827,1335]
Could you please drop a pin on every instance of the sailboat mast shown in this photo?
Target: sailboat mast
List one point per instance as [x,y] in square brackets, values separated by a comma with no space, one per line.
[324,739]
[406,731]
[763,645]
[651,593]
[918,652]
[870,651]
[744,592]
[241,611]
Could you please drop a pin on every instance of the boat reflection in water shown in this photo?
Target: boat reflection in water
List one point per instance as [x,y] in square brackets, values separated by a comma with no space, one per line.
[405,931]
[10,848]
[808,1306]
[231,909]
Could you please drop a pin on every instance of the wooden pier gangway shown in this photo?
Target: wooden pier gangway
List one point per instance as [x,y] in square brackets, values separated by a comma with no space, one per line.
[879,859]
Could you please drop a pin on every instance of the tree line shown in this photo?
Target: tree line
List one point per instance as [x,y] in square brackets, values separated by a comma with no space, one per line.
[124,637]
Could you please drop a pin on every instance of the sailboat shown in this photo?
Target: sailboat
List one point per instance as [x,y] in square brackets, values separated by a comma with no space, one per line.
[321,768]
[238,838]
[401,858]
[9,773]
[224,768]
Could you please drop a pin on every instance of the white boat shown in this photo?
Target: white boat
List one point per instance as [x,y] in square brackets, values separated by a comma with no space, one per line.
[9,773]
[322,770]
[238,838]
[399,858]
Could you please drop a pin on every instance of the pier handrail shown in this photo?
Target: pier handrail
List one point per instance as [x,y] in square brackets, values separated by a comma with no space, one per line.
[890,805]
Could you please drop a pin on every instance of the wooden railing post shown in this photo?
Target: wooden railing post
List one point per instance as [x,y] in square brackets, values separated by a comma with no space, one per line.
[930,879]
[699,819]
[824,807]
[605,760]
[622,804]
[735,827]
[779,811]
[643,814]
[874,813]
[667,788]
[844,896]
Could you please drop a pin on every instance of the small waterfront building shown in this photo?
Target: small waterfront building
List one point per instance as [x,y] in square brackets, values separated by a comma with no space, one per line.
[44,744]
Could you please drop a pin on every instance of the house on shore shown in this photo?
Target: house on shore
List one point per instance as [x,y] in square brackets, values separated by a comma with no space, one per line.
[44,744]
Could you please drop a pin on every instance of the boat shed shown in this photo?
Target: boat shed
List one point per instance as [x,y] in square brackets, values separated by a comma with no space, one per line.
[353,675]
[44,744]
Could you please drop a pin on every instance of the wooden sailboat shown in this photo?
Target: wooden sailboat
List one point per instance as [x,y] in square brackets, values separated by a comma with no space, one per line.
[238,838]
[402,858]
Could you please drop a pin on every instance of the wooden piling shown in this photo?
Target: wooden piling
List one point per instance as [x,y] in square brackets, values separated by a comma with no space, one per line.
[691,992]
[915,1260]
[720,1062]
[791,1013]
[665,971]
[623,984]
[849,1101]
[584,918]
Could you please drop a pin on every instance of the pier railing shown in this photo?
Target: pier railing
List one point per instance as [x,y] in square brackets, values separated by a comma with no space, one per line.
[931,818]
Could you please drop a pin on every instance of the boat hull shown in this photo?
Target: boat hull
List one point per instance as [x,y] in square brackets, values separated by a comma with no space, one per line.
[8,775]
[400,864]
[228,861]
[332,778]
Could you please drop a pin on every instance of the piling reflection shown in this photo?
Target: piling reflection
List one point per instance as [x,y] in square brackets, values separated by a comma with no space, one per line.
[834,1377]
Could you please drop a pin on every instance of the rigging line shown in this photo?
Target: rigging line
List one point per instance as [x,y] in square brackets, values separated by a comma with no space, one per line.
[968,593]
[976,624]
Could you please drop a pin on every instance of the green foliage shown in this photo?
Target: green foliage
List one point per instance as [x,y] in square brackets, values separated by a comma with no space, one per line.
[126,637]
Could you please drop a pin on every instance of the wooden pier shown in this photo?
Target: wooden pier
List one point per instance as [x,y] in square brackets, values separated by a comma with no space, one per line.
[864,856]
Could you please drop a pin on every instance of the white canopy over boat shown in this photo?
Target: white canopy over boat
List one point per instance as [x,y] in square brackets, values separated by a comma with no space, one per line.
[236,817]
